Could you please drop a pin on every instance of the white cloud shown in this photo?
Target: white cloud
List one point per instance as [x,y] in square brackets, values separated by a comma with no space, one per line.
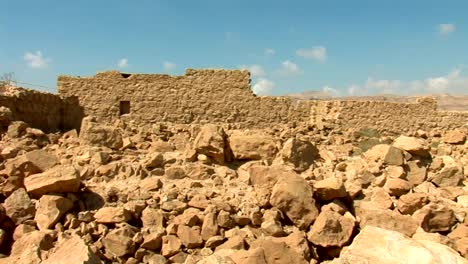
[318,53]
[446,29]
[169,66]
[331,91]
[353,89]
[36,60]
[452,83]
[263,86]
[290,67]
[255,70]
[270,52]
[384,86]
[123,63]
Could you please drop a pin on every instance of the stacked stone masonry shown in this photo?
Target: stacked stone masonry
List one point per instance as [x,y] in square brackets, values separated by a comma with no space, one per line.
[45,111]
[389,117]
[200,96]
[211,96]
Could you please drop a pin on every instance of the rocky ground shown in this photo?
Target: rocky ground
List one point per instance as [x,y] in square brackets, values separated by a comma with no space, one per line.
[208,194]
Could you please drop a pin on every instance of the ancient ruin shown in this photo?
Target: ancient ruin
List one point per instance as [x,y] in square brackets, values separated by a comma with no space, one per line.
[149,168]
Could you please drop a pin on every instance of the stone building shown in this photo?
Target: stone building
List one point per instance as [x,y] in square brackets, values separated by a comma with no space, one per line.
[210,96]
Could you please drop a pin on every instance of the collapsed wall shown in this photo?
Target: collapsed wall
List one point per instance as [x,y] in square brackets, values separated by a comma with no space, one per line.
[199,96]
[389,117]
[45,111]
[210,96]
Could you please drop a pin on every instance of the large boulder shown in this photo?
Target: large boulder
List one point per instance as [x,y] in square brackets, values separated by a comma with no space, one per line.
[415,146]
[377,245]
[41,159]
[454,137]
[435,217]
[298,153]
[82,254]
[60,179]
[258,146]
[51,208]
[331,229]
[451,174]
[293,196]
[277,252]
[387,219]
[19,207]
[112,215]
[211,141]
[96,134]
[330,188]
[118,242]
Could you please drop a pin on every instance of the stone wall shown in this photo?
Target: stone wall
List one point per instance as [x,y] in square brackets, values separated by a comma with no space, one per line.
[45,111]
[210,96]
[199,96]
[387,117]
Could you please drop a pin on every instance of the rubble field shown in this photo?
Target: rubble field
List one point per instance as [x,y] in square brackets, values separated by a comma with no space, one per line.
[217,194]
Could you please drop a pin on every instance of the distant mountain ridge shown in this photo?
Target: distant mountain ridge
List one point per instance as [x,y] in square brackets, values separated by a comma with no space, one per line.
[446,102]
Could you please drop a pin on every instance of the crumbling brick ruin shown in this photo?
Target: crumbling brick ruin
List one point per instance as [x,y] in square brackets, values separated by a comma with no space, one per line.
[200,96]
[46,111]
[211,96]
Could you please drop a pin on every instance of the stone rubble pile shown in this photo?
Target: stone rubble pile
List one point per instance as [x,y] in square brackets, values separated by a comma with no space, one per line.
[211,194]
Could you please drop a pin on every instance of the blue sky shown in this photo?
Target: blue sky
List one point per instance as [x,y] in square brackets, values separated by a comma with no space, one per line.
[343,47]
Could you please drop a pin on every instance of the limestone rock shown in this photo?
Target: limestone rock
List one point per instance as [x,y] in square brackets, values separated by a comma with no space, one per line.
[210,226]
[235,242]
[118,243]
[199,171]
[19,207]
[409,203]
[189,236]
[417,172]
[51,208]
[450,175]
[17,129]
[293,196]
[42,240]
[387,219]
[276,252]
[435,218]
[171,245]
[329,189]
[175,173]
[397,187]
[454,137]
[73,251]
[331,229]
[96,134]
[299,153]
[377,152]
[394,156]
[42,159]
[252,146]
[211,141]
[217,259]
[6,116]
[153,160]
[60,179]
[377,245]
[415,146]
[152,239]
[107,215]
